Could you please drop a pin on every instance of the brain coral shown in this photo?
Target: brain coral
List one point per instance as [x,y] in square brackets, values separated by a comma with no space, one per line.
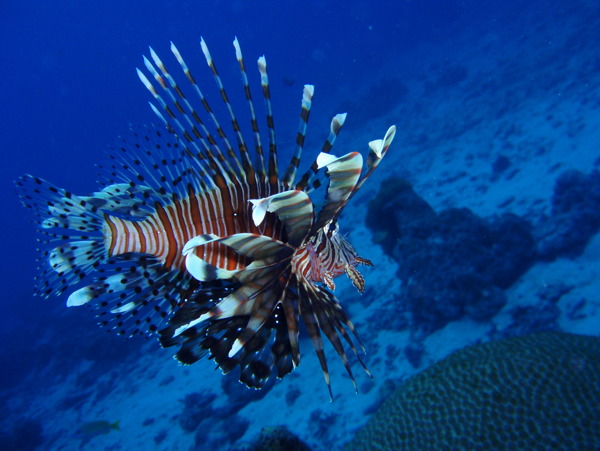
[540,391]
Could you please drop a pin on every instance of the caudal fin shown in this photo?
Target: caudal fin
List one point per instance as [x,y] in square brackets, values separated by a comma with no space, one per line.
[132,293]
[71,243]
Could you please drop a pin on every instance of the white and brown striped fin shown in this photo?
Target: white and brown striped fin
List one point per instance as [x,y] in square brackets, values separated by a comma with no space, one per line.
[255,279]
[294,209]
[133,294]
[322,312]
[356,278]
[345,177]
[262,294]
[259,165]
[308,182]
[180,122]
[209,143]
[246,164]
[260,339]
[289,309]
[290,173]
[252,245]
[259,291]
[148,165]
[122,199]
[256,299]
[311,322]
[272,169]
[268,348]
[378,149]
[266,253]
[344,173]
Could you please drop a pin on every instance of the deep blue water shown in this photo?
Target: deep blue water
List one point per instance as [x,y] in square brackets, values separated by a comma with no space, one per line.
[69,88]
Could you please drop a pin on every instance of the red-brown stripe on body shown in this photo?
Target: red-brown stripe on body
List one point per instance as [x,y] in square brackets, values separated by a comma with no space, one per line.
[301,263]
[222,211]
[169,235]
[141,243]
[110,234]
[323,257]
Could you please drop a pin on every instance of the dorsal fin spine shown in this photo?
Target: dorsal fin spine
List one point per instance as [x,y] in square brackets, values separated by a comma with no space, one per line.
[223,167]
[273,172]
[176,88]
[378,149]
[308,181]
[218,172]
[290,173]
[259,157]
[205,176]
[246,166]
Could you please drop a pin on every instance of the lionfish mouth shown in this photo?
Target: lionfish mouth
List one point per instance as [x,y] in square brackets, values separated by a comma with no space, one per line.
[207,246]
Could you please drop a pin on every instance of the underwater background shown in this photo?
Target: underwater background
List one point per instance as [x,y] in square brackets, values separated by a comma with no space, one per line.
[481,221]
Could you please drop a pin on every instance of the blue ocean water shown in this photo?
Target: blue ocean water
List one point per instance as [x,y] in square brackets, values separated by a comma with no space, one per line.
[457,77]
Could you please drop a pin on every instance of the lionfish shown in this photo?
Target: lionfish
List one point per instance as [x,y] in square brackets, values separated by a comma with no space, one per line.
[215,251]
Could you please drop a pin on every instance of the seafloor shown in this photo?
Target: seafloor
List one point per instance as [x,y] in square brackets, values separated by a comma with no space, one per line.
[487,121]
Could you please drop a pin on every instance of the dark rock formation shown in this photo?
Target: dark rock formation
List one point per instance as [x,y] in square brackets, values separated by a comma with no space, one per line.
[197,406]
[575,216]
[220,433]
[238,395]
[278,439]
[453,263]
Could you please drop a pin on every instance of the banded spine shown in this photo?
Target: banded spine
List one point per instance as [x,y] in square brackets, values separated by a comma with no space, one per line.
[260,160]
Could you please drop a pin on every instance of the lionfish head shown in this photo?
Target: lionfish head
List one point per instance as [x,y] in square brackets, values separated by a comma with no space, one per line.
[326,255]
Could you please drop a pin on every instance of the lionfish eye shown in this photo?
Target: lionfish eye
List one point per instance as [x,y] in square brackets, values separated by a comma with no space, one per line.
[331,228]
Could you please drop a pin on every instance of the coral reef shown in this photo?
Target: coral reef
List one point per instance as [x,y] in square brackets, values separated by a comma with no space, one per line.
[538,391]
[204,412]
[543,315]
[201,406]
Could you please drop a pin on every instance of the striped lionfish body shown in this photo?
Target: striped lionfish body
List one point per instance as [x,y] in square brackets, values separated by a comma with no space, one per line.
[215,251]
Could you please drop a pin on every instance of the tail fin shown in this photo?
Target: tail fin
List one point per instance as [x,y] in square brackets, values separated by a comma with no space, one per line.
[72,242]
[132,293]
